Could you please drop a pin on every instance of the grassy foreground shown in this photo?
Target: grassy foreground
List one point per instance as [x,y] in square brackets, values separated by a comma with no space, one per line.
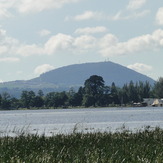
[142,146]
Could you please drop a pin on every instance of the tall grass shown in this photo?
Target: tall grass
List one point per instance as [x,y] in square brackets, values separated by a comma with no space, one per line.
[141,146]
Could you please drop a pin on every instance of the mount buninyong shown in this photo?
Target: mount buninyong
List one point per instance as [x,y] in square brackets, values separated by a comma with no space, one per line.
[62,79]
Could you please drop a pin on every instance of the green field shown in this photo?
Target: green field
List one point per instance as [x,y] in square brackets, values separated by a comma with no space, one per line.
[125,146]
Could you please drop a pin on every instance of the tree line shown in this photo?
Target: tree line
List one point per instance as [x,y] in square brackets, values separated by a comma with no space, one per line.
[94,93]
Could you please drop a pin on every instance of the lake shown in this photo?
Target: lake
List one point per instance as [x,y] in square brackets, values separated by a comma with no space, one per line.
[56,121]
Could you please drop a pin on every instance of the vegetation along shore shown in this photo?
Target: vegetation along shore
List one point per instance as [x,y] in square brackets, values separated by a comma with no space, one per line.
[125,146]
[94,93]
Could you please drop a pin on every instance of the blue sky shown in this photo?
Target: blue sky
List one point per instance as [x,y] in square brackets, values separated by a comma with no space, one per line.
[40,35]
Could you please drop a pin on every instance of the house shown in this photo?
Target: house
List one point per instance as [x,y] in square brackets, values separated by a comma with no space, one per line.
[153,102]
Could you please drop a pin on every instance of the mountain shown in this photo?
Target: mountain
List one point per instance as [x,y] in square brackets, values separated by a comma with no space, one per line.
[75,75]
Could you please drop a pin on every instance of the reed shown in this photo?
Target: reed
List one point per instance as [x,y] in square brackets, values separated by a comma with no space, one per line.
[125,146]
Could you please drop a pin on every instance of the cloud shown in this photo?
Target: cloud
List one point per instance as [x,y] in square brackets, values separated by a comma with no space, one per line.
[140,67]
[4,13]
[29,50]
[146,42]
[62,42]
[91,30]
[159,16]
[58,42]
[121,16]
[87,15]
[107,45]
[84,42]
[44,32]
[6,43]
[43,68]
[136,4]
[9,59]
[29,6]
[3,49]
[5,5]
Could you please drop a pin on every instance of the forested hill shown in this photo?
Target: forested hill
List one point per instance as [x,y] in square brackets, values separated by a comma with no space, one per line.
[64,78]
[75,75]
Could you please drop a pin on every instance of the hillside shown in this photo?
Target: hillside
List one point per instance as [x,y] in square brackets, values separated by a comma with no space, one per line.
[74,76]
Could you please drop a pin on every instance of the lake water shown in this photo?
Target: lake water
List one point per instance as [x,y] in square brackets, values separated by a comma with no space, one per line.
[66,121]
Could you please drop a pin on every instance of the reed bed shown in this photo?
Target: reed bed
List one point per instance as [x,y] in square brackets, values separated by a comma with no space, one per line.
[126,146]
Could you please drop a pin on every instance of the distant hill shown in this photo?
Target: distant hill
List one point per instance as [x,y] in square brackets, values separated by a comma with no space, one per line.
[75,75]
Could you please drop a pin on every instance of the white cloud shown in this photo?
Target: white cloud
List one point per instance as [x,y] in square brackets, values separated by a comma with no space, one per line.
[140,67]
[6,43]
[29,50]
[44,32]
[89,15]
[85,42]
[43,68]
[3,49]
[91,30]
[58,42]
[120,15]
[5,5]
[159,16]
[62,42]
[107,41]
[136,4]
[142,43]
[9,59]
[30,6]
[4,13]
[108,45]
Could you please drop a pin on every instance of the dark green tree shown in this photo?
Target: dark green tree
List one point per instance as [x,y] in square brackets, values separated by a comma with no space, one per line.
[114,94]
[93,89]
[49,99]
[39,99]
[158,88]
[75,98]
[5,101]
[40,93]
[56,99]
[28,99]
[132,94]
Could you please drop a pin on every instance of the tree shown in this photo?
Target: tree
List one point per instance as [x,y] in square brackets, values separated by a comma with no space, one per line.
[15,103]
[40,93]
[49,99]
[158,88]
[133,95]
[114,94]
[5,101]
[75,99]
[56,99]
[38,102]
[93,89]
[28,99]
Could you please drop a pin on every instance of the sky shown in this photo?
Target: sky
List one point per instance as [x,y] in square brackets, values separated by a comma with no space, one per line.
[37,36]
